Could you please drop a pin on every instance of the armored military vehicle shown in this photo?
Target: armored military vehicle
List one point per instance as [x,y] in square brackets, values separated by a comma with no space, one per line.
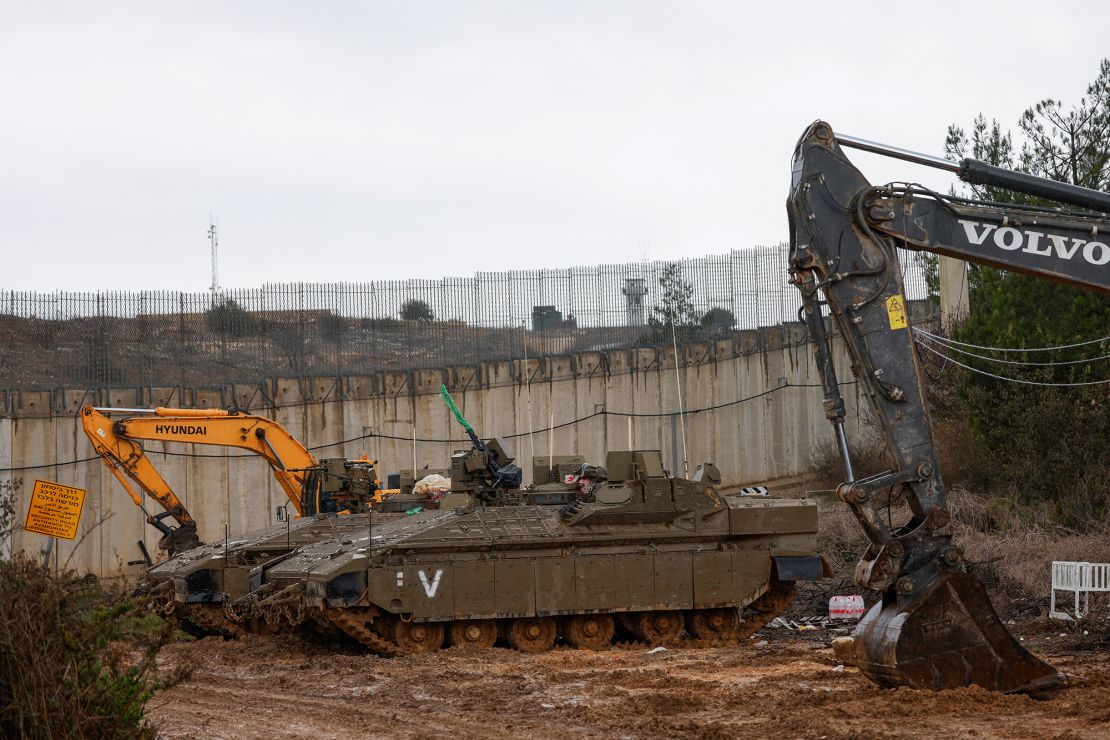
[642,554]
[206,586]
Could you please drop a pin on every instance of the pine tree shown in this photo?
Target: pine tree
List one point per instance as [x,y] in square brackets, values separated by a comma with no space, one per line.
[675,309]
[1046,442]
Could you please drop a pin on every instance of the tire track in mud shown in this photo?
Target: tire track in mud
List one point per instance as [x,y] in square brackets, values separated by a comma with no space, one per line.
[269,687]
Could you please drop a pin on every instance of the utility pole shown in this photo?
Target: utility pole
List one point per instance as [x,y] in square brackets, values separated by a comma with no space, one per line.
[954,302]
[214,240]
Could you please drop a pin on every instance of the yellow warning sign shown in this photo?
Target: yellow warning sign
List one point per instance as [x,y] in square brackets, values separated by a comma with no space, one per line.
[896,312]
[55,509]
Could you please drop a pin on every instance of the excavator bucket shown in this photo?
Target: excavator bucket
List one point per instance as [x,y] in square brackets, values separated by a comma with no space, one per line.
[946,637]
[179,539]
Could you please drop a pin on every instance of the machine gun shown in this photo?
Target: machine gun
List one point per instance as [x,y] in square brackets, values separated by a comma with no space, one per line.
[935,627]
[492,459]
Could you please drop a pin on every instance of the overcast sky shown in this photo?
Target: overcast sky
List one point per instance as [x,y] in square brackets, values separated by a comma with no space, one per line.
[348,141]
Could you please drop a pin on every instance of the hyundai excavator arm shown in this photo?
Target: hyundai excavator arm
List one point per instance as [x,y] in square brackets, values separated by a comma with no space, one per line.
[935,626]
[129,464]
[117,442]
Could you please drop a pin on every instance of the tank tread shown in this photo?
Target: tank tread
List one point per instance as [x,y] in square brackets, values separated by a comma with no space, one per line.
[208,619]
[198,620]
[630,644]
[358,628]
[283,608]
[768,606]
[358,623]
[158,598]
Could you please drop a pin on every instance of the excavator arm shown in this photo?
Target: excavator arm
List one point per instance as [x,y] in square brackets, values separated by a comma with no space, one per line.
[128,463]
[935,626]
[117,442]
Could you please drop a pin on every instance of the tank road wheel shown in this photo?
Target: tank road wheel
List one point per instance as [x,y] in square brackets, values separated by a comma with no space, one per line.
[589,631]
[383,627]
[661,627]
[532,634]
[475,633]
[418,637]
[715,625]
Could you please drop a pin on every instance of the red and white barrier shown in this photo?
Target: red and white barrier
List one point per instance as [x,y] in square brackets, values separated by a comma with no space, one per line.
[846,607]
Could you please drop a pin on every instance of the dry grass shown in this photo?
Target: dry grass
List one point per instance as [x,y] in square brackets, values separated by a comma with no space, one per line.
[1007,546]
[1011,549]
[826,471]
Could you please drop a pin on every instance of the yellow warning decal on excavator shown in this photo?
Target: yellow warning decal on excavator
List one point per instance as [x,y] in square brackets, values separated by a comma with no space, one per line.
[896,312]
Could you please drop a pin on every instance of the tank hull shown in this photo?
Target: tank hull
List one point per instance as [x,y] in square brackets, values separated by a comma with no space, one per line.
[509,562]
[647,557]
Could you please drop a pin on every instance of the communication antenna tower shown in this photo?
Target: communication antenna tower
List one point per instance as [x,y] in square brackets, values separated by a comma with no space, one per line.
[214,239]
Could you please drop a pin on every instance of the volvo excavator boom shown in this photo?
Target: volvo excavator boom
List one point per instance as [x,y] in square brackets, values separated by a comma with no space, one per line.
[300,475]
[934,626]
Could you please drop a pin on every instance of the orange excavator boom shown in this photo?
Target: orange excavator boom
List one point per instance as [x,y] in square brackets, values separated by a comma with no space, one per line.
[117,442]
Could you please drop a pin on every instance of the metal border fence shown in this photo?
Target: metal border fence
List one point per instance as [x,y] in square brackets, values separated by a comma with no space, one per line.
[292,329]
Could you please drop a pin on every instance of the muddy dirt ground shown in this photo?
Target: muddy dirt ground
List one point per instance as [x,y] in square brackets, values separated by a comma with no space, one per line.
[782,684]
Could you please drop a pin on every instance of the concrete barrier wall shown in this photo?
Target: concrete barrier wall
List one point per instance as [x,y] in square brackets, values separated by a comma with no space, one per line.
[771,435]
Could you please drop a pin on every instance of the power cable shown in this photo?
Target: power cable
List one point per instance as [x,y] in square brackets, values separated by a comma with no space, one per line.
[1009,379]
[1010,349]
[1023,363]
[49,465]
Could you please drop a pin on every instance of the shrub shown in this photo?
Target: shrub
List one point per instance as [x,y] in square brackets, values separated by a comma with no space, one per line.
[62,673]
[718,320]
[230,319]
[332,327]
[416,310]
